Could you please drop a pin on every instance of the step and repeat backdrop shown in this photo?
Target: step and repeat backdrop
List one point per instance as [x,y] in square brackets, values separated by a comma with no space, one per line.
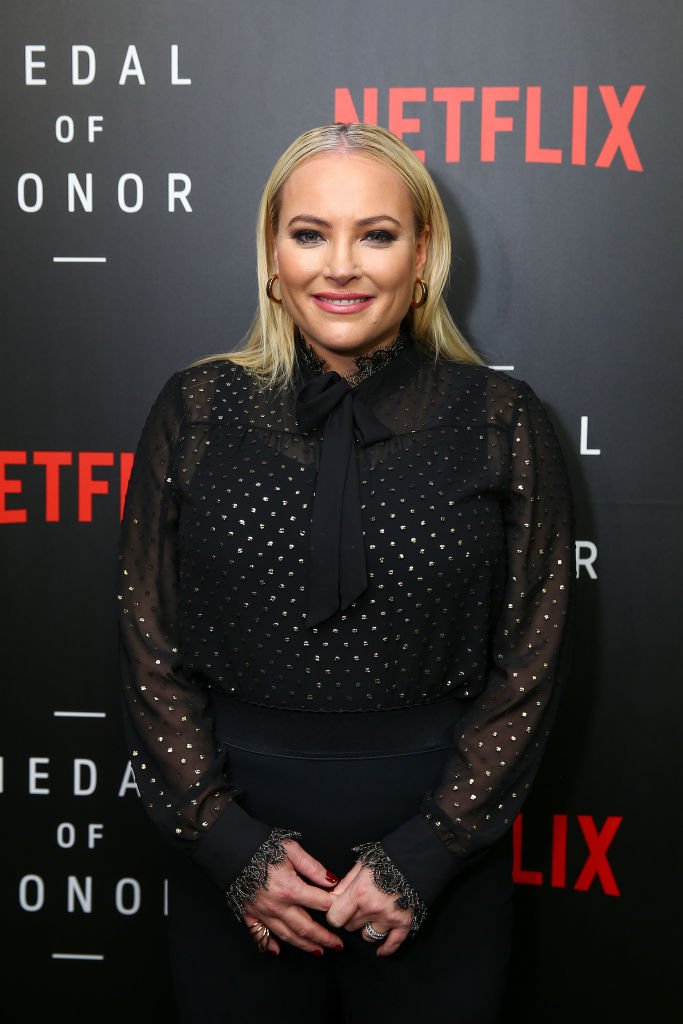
[136,140]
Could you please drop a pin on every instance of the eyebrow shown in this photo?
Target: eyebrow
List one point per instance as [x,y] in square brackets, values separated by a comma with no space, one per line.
[308,219]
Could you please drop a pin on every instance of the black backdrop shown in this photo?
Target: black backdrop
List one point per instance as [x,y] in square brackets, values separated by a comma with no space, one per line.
[552,130]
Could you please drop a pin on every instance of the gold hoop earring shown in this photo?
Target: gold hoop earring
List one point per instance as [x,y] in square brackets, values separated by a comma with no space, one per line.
[269,289]
[424,292]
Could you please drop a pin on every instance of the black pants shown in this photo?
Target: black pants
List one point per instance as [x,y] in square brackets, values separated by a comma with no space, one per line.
[452,970]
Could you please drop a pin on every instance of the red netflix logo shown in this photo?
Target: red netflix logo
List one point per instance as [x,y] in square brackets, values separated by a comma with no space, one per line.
[87,473]
[500,109]
[596,866]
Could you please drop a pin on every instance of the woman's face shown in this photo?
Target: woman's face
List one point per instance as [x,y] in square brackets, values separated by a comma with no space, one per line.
[347,253]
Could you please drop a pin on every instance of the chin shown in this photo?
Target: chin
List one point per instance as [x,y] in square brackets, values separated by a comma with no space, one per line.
[356,339]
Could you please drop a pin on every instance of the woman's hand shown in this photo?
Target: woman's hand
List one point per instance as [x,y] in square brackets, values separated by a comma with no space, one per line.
[281,906]
[357,900]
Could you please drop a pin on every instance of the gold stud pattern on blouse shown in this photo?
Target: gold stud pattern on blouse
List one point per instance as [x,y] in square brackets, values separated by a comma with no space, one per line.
[467,526]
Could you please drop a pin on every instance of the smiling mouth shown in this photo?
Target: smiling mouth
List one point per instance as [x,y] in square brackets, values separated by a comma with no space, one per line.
[336,303]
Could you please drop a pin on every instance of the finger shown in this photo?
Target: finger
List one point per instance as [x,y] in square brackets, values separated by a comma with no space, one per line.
[381,921]
[279,927]
[254,925]
[305,934]
[295,925]
[370,905]
[361,917]
[286,887]
[393,941]
[301,924]
[378,928]
[343,885]
[308,866]
[272,946]
[310,896]
[342,910]
[290,937]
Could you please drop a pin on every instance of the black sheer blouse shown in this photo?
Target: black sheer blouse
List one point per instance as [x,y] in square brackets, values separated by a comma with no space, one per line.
[464,512]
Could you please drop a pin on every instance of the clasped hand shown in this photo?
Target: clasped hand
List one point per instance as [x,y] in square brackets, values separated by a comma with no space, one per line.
[348,903]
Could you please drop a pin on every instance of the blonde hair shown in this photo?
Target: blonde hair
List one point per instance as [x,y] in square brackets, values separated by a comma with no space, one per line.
[268,349]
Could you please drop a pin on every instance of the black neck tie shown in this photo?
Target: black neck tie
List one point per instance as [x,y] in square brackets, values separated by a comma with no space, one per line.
[338,572]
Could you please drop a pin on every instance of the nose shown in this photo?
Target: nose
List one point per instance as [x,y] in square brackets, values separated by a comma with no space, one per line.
[342,262]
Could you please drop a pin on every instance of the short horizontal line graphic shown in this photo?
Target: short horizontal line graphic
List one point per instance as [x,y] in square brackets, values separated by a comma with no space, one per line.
[79,259]
[79,714]
[77,956]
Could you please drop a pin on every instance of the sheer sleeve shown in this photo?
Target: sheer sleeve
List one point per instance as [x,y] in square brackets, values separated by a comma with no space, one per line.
[179,769]
[498,744]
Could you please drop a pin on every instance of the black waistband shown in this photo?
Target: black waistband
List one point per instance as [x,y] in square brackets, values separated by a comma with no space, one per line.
[370,733]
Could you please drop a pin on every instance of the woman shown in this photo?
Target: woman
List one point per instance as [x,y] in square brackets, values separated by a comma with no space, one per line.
[346,559]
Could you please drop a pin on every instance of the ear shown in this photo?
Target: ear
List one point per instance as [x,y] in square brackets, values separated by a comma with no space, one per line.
[275,259]
[422,249]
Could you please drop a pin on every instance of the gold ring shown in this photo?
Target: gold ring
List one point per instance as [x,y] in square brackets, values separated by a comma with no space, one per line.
[261,933]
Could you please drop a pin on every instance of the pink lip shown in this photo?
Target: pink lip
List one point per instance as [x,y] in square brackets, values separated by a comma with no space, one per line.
[325,300]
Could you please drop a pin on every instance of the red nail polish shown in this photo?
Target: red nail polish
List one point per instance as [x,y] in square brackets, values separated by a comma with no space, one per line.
[317,952]
[338,949]
[330,877]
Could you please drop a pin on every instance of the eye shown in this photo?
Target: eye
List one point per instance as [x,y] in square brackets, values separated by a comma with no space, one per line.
[378,235]
[306,236]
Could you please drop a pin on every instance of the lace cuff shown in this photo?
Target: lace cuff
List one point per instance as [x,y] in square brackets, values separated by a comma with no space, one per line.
[254,875]
[389,879]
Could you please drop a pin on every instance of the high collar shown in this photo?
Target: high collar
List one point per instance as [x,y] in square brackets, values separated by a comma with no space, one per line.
[377,362]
